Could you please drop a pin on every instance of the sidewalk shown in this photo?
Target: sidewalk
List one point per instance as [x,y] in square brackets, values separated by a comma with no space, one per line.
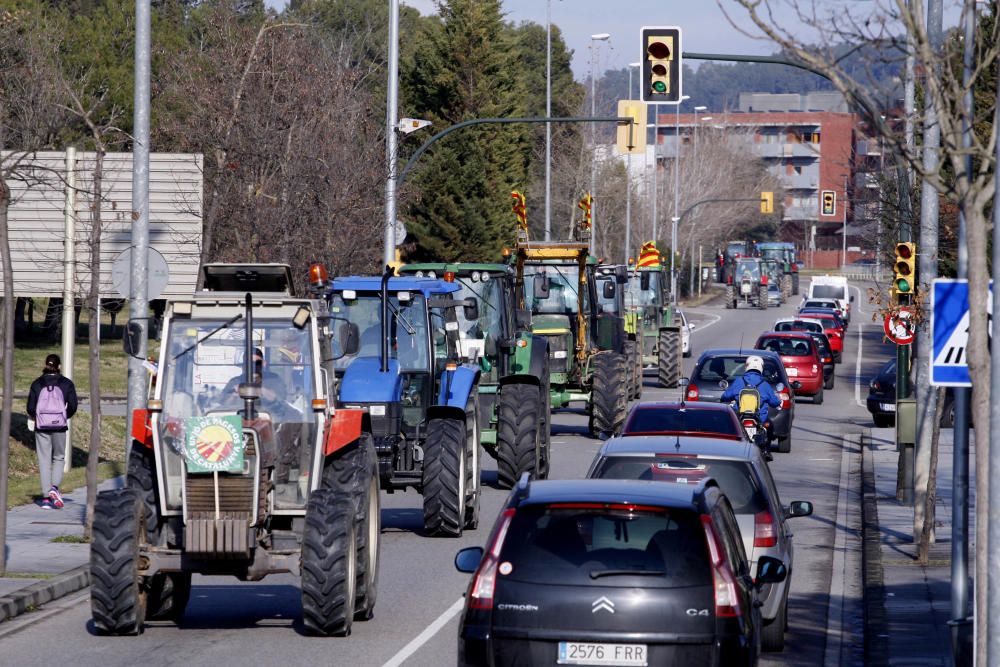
[33,559]
[915,600]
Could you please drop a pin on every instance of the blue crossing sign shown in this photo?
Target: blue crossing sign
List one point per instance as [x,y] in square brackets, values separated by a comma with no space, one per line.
[950,332]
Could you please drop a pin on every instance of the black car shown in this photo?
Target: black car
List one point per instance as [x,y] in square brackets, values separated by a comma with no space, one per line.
[714,366]
[585,572]
[882,399]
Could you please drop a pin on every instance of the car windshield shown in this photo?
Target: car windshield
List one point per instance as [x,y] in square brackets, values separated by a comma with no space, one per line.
[562,283]
[786,347]
[575,543]
[677,419]
[200,375]
[736,477]
[748,269]
[727,368]
[829,292]
[828,319]
[798,325]
[407,327]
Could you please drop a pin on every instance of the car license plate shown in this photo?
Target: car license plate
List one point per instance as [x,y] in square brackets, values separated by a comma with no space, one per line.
[588,653]
[792,372]
[888,407]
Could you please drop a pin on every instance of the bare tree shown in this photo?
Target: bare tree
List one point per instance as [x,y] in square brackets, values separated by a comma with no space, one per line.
[896,29]
[28,121]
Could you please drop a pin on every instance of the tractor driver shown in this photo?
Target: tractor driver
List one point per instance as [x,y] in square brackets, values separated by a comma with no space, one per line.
[272,388]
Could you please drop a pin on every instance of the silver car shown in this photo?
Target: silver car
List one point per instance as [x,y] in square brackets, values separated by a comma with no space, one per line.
[743,477]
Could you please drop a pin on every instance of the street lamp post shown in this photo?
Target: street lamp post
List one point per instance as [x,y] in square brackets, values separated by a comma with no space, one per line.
[677,190]
[391,115]
[628,178]
[696,126]
[594,39]
[548,126]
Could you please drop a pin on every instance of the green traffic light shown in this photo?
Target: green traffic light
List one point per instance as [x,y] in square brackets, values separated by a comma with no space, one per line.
[903,285]
[660,87]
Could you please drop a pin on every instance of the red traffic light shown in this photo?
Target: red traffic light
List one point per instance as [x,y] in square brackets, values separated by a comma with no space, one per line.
[904,251]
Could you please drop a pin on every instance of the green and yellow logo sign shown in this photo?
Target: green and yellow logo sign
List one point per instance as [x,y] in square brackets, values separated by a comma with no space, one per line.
[214,444]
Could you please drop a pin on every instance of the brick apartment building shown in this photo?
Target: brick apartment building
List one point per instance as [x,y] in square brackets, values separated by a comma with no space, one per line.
[808,141]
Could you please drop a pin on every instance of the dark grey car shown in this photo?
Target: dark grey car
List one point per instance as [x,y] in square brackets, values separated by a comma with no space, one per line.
[715,366]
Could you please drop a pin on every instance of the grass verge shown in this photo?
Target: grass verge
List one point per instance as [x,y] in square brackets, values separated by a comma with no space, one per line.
[70,539]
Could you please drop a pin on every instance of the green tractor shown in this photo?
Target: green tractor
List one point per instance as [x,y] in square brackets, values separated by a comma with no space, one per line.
[784,253]
[587,354]
[656,322]
[514,414]
[614,298]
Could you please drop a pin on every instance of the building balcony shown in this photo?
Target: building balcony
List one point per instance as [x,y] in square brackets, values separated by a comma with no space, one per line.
[786,150]
[801,213]
[801,181]
[866,181]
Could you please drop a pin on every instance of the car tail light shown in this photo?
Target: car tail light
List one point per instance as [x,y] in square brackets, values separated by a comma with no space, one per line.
[835,333]
[727,602]
[786,399]
[876,386]
[764,534]
[692,394]
[485,580]
[749,423]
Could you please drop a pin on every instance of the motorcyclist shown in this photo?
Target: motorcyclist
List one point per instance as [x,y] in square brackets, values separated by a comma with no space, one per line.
[753,377]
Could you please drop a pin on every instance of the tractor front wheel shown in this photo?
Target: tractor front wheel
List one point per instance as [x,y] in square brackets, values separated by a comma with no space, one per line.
[730,297]
[762,297]
[669,357]
[329,563]
[117,594]
[444,477]
[608,402]
[518,433]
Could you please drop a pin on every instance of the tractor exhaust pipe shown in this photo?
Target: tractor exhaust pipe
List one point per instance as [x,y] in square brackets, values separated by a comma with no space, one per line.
[384,352]
[250,391]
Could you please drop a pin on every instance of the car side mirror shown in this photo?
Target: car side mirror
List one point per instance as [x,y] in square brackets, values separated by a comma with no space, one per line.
[522,319]
[796,385]
[851,300]
[132,338]
[723,384]
[540,286]
[609,289]
[799,508]
[683,382]
[770,571]
[350,338]
[644,280]
[467,560]
[470,309]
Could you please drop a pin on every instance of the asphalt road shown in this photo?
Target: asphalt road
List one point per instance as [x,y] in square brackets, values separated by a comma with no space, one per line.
[419,594]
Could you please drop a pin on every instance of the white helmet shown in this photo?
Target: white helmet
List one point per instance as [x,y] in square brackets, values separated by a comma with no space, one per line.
[755,363]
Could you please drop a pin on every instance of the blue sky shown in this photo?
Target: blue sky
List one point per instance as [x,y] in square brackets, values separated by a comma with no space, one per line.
[705,27]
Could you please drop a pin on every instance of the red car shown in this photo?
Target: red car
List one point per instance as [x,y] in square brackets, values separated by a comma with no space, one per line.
[834,329]
[715,420]
[800,357]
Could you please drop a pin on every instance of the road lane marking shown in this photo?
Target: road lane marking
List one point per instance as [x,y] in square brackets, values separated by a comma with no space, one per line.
[426,635]
[715,321]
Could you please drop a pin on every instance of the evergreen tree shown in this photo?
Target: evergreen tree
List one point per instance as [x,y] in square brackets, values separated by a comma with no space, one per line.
[467,68]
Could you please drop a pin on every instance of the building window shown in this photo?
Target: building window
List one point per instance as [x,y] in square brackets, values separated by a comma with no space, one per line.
[798,169]
[815,137]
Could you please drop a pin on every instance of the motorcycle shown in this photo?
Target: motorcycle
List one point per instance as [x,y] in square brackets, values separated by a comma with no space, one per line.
[747,408]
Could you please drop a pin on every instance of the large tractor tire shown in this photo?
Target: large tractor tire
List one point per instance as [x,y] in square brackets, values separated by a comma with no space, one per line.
[444,477]
[117,596]
[730,297]
[608,402]
[786,286]
[762,297]
[329,563]
[545,424]
[635,368]
[473,462]
[519,437]
[353,471]
[795,284]
[669,357]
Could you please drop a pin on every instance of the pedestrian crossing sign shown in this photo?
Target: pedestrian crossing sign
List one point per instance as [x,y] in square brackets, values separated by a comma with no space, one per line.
[950,332]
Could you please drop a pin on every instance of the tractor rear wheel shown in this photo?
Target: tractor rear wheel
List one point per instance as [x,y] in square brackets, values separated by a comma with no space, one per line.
[786,286]
[795,283]
[444,477]
[608,402]
[669,357]
[329,563]
[117,595]
[762,297]
[634,362]
[730,297]
[518,433]
[354,471]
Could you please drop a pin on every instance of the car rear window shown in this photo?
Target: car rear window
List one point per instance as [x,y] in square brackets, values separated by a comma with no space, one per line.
[829,292]
[654,420]
[822,344]
[798,325]
[828,319]
[600,545]
[786,347]
[736,478]
[727,368]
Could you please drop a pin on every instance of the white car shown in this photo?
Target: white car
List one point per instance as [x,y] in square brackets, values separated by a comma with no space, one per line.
[686,329]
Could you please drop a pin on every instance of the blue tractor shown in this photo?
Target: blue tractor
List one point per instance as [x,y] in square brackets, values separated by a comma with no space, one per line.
[400,362]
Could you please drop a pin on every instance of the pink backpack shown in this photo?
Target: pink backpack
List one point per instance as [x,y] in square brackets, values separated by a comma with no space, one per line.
[51,409]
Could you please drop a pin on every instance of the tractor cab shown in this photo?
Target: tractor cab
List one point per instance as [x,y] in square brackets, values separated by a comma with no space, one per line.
[653,318]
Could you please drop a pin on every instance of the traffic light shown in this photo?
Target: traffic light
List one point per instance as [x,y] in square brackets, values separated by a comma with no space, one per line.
[767,202]
[520,209]
[661,65]
[636,111]
[904,269]
[585,204]
[829,202]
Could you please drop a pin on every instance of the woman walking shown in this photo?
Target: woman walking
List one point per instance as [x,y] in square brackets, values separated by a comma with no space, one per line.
[51,403]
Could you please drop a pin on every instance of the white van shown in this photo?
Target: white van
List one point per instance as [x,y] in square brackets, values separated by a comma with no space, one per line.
[832,287]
